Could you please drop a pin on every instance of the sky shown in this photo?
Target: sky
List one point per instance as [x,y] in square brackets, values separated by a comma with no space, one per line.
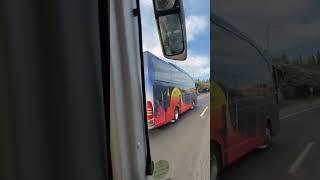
[295,24]
[197,16]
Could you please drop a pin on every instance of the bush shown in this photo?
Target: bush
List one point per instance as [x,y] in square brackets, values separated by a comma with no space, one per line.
[203,86]
[297,80]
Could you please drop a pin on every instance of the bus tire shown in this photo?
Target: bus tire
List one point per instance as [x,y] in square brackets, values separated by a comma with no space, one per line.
[176,114]
[215,162]
[268,134]
[193,104]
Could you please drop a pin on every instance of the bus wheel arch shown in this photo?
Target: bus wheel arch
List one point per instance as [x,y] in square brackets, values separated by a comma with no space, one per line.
[193,104]
[269,129]
[216,160]
[268,135]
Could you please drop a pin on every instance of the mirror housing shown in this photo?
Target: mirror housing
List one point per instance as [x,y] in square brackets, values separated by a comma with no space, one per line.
[170,19]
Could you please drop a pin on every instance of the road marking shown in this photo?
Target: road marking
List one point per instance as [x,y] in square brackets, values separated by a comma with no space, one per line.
[296,165]
[299,112]
[205,109]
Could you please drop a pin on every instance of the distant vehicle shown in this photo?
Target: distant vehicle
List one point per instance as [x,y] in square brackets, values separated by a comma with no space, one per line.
[170,91]
[244,113]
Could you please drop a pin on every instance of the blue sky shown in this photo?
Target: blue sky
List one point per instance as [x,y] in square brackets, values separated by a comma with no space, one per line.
[197,15]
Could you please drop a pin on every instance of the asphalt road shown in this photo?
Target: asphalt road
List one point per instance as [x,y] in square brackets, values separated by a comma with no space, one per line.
[295,154]
[185,143]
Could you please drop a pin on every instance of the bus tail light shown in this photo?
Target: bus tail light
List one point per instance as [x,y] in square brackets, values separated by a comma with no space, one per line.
[149,110]
[150,117]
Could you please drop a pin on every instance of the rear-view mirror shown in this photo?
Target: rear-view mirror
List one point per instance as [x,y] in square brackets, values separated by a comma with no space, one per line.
[161,5]
[170,19]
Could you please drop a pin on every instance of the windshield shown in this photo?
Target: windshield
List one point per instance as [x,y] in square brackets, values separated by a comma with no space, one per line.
[177,110]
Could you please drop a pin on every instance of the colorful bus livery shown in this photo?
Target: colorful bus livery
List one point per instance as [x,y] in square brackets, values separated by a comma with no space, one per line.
[244,113]
[170,91]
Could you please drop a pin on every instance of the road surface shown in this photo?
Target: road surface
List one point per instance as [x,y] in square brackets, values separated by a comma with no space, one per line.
[185,143]
[295,154]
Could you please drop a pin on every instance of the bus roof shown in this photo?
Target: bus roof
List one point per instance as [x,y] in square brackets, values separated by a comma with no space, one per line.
[169,63]
[180,69]
[224,24]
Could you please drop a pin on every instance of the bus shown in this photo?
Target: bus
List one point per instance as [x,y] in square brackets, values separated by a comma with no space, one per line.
[170,91]
[244,112]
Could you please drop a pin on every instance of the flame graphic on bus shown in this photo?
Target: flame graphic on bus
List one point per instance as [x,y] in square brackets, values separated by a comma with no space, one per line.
[172,100]
[176,96]
[221,117]
[220,107]
[175,102]
[165,94]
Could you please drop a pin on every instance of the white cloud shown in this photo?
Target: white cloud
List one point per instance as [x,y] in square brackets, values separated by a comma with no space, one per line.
[196,65]
[196,25]
[146,4]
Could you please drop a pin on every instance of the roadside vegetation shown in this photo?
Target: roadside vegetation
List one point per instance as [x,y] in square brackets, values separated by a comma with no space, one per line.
[203,86]
[300,76]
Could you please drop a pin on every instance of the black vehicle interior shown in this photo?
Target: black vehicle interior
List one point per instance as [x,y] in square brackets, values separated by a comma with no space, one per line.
[53,61]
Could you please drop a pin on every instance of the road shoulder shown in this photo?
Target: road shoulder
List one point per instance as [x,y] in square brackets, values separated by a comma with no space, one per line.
[298,105]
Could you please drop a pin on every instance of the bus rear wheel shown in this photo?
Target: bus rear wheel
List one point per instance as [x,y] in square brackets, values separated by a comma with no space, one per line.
[193,104]
[215,163]
[268,135]
[176,114]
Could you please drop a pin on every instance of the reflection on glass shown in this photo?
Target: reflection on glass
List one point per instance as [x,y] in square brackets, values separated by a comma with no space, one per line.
[171,34]
[164,4]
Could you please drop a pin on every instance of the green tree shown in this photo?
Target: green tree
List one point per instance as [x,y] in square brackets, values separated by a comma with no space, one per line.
[318,57]
[300,60]
[314,59]
[285,59]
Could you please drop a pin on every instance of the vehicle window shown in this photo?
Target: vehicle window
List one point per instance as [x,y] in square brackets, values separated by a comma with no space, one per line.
[244,68]
[285,68]
[178,117]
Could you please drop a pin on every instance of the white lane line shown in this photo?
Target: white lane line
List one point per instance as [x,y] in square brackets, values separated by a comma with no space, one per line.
[299,112]
[204,111]
[296,165]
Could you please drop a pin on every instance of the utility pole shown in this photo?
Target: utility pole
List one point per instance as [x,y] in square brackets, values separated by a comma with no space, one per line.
[268,34]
